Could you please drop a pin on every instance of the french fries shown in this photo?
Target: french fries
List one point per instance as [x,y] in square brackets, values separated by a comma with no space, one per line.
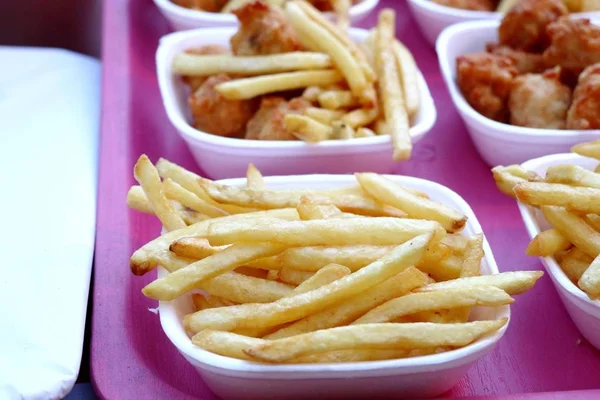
[508,177]
[588,149]
[408,76]
[547,244]
[205,65]
[306,128]
[392,97]
[280,284]
[334,99]
[247,88]
[582,199]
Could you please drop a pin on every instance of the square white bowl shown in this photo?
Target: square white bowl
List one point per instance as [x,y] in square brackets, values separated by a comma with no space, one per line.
[497,143]
[584,312]
[182,19]
[425,376]
[222,157]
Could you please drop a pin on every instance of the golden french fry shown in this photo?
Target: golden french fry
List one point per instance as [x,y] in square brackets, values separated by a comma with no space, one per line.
[345,312]
[342,130]
[572,175]
[177,192]
[597,169]
[136,199]
[206,65]
[323,115]
[254,178]
[593,220]
[590,5]
[473,256]
[254,272]
[148,178]
[547,243]
[361,117]
[144,259]
[590,280]
[387,192]
[574,229]
[488,296]
[443,269]
[189,181]
[308,210]
[247,88]
[194,247]
[457,243]
[332,231]
[273,275]
[341,36]
[327,43]
[505,5]
[342,11]
[334,99]
[363,132]
[216,302]
[390,89]
[408,71]
[293,277]
[199,302]
[322,277]
[582,199]
[372,336]
[306,128]
[191,217]
[588,149]
[574,264]
[267,199]
[311,93]
[381,127]
[511,282]
[226,344]
[508,177]
[302,305]
[185,279]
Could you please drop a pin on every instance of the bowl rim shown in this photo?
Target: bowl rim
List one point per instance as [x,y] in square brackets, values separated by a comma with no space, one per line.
[533,228]
[455,12]
[493,128]
[189,133]
[361,8]
[171,325]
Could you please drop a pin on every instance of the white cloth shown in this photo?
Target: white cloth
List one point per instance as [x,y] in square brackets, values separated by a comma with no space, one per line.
[49,124]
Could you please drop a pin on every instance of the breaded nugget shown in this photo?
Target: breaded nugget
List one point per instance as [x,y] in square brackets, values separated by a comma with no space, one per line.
[539,100]
[204,5]
[575,44]
[475,5]
[485,80]
[195,81]
[524,26]
[584,112]
[268,122]
[525,63]
[215,114]
[264,29]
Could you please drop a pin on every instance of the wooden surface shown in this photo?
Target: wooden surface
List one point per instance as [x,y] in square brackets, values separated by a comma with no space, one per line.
[130,355]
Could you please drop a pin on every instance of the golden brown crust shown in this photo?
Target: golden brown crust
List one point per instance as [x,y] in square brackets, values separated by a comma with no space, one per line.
[584,112]
[268,122]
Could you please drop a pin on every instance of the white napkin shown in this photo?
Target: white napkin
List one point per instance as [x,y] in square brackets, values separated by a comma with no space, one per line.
[49,123]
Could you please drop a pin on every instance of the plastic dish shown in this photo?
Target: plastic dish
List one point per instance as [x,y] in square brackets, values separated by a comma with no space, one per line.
[584,312]
[417,377]
[272,157]
[182,18]
[497,143]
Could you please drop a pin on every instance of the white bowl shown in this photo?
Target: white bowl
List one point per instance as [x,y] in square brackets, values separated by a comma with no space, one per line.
[496,142]
[433,18]
[182,18]
[584,312]
[415,377]
[222,157]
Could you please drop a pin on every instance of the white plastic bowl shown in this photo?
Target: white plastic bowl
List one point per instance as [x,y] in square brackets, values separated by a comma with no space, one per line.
[584,312]
[222,157]
[182,18]
[496,142]
[415,377]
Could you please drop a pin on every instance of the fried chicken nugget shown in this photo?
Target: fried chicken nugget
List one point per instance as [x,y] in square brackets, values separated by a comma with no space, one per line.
[575,44]
[584,112]
[268,122]
[264,29]
[485,80]
[217,115]
[204,5]
[526,63]
[524,26]
[475,5]
[194,82]
[539,100]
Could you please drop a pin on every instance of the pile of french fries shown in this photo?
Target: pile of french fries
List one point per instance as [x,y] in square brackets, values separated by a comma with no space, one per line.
[355,90]
[366,272]
[569,199]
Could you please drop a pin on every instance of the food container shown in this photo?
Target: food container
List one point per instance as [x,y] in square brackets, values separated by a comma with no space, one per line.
[222,157]
[584,312]
[497,143]
[182,18]
[425,376]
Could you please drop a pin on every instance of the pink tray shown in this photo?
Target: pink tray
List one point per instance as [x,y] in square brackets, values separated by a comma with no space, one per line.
[540,357]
